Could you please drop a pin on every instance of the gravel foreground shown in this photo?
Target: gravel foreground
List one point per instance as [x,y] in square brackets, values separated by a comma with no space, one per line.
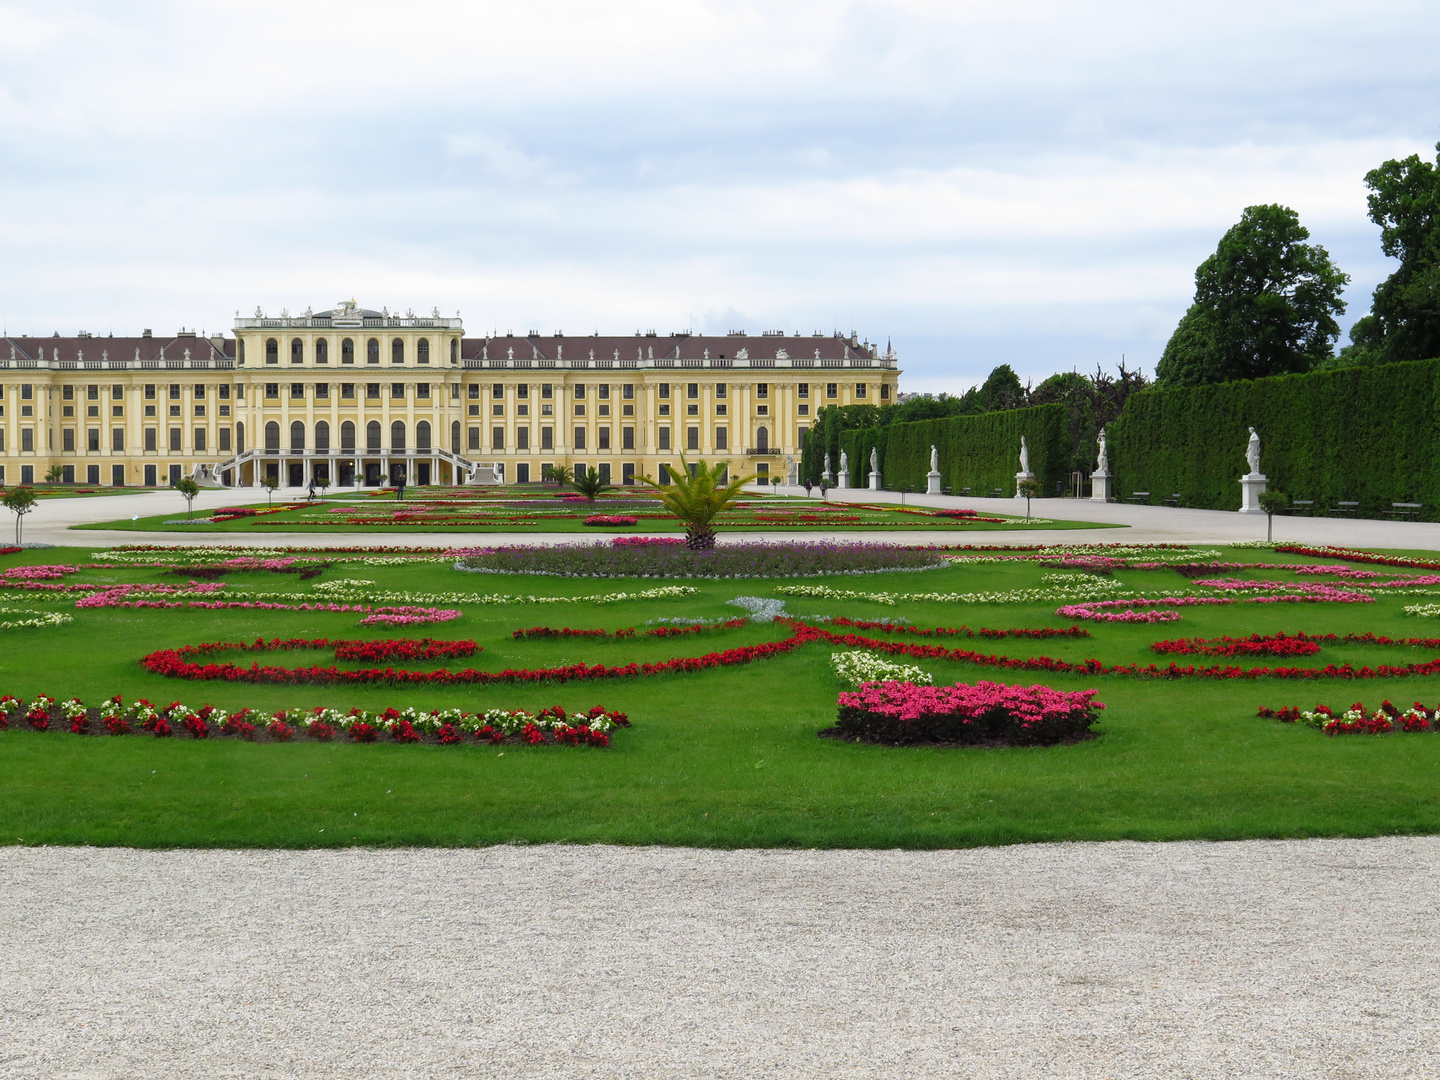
[1121,960]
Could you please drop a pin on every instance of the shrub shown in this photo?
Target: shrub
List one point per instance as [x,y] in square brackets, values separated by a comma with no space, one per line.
[902,713]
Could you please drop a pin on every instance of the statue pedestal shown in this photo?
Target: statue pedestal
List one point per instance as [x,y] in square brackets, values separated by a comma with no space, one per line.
[932,482]
[874,481]
[1252,485]
[1021,477]
[1102,487]
[843,479]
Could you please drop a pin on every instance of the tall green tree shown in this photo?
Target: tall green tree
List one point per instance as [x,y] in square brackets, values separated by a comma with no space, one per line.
[1265,304]
[1404,318]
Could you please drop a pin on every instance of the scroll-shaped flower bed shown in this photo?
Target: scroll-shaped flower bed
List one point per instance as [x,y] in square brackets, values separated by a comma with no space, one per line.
[987,713]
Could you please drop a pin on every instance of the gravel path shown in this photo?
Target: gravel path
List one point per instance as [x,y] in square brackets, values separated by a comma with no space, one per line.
[1312,959]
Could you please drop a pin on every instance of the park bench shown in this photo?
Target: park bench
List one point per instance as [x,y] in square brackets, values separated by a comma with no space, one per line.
[1301,506]
[1345,509]
[1173,500]
[1402,511]
[1139,498]
[997,493]
[964,493]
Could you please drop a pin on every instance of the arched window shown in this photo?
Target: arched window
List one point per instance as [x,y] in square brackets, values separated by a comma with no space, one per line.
[297,436]
[347,436]
[272,436]
[455,436]
[762,438]
[272,351]
[422,351]
[454,351]
[397,351]
[240,350]
[397,435]
[239,438]
[297,351]
[322,435]
[372,435]
[372,351]
[422,435]
[347,351]
[322,351]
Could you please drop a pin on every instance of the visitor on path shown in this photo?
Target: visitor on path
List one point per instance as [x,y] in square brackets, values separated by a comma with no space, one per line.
[400,486]
[808,486]
[310,494]
[823,487]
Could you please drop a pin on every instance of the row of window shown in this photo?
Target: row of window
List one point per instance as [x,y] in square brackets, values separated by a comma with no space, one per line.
[347,351]
[348,391]
[374,432]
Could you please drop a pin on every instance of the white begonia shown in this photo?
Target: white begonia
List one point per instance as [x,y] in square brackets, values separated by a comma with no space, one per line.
[855,668]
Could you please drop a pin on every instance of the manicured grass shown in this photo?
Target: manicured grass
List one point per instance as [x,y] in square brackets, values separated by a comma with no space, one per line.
[75,491]
[724,757]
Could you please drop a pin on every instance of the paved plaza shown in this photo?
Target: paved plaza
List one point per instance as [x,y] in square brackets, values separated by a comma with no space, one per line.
[1305,959]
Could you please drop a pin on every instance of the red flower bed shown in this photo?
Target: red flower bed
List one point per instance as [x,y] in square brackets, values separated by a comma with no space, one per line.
[1350,555]
[10,550]
[902,713]
[956,513]
[613,520]
[962,630]
[1254,645]
[368,651]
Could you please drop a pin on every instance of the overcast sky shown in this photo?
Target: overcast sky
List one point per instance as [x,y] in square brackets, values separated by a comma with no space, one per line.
[1031,183]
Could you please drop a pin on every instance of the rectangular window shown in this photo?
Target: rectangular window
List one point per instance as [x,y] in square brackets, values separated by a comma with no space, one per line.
[627,473]
[372,391]
[174,439]
[347,390]
[602,436]
[497,438]
[67,440]
[547,438]
[800,435]
[224,438]
[692,390]
[579,391]
[150,438]
[579,443]
[522,438]
[522,392]
[722,438]
[149,391]
[92,439]
[224,392]
[720,410]
[397,391]
[522,473]
[627,391]
[720,389]
[692,438]
[297,390]
[422,390]
[117,475]
[474,439]
[884,391]
[859,389]
[199,440]
[664,390]
[117,439]
[627,438]
[322,389]
[199,410]
[119,410]
[92,392]
[603,391]
[454,391]
[473,391]
[174,391]
[832,390]
[579,410]
[239,393]
[547,391]
[604,470]
[496,410]
[199,391]
[497,390]
[802,390]
[272,389]
[27,391]
[762,390]
[664,439]
[67,393]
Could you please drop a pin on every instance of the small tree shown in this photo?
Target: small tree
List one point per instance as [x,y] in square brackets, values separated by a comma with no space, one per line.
[188,488]
[559,475]
[322,482]
[19,502]
[591,484]
[271,484]
[1030,489]
[55,474]
[697,498]
[1272,502]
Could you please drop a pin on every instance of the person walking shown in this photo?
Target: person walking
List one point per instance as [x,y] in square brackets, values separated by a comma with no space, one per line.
[823,487]
[808,486]
[400,486]
[310,494]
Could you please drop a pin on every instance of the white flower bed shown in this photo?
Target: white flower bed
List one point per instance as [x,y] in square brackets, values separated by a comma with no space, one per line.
[1092,589]
[855,668]
[8,620]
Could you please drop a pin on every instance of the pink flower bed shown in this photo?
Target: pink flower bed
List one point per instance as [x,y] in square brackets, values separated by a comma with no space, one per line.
[611,520]
[409,616]
[647,541]
[901,713]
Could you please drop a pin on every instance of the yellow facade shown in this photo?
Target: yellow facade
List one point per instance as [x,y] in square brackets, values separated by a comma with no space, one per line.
[359,396]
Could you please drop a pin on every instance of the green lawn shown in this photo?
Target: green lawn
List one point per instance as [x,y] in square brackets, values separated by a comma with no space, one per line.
[725,757]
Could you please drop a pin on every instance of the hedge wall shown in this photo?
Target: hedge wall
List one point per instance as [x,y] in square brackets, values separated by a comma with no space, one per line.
[1367,435]
[979,452]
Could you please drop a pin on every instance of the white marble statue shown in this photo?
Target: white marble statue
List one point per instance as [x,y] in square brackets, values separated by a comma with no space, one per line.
[827,473]
[934,458]
[844,463]
[874,459]
[1024,456]
[1104,464]
[1252,453]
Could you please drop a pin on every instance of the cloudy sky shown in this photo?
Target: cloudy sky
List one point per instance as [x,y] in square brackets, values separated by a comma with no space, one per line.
[1026,182]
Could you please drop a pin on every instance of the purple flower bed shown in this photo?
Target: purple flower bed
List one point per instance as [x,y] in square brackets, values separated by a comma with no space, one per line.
[677,561]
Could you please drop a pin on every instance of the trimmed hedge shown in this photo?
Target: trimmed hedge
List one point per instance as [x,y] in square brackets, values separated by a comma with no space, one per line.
[1367,435]
[979,452]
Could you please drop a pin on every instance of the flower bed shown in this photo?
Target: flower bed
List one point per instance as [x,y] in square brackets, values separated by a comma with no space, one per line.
[448,727]
[725,561]
[1357,720]
[21,618]
[860,667]
[1254,645]
[904,714]
[611,520]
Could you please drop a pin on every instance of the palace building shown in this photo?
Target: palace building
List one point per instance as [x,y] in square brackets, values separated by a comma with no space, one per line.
[364,397]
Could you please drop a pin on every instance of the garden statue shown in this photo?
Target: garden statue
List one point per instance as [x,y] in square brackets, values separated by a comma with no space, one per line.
[498,472]
[874,459]
[1104,463]
[1252,453]
[1024,456]
[934,458]
[843,480]
[827,474]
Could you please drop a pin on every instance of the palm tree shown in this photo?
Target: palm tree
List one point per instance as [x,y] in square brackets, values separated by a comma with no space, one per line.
[696,496]
[591,484]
